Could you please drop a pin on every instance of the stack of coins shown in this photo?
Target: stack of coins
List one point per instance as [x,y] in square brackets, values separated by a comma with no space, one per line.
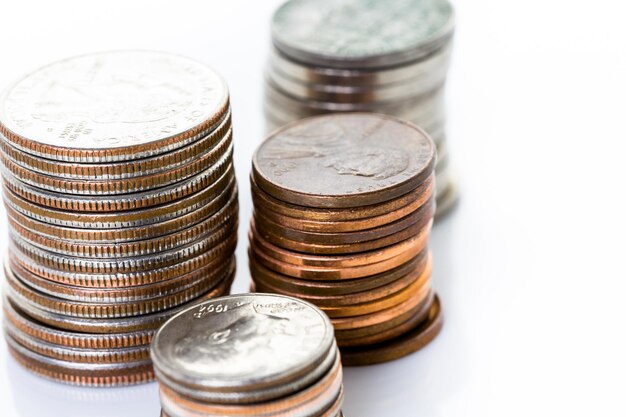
[122,206]
[343,207]
[382,56]
[248,355]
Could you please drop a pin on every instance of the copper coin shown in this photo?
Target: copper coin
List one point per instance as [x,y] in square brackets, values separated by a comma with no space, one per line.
[390,332]
[335,292]
[305,225]
[338,261]
[329,249]
[356,159]
[340,238]
[396,348]
[337,273]
[125,169]
[267,202]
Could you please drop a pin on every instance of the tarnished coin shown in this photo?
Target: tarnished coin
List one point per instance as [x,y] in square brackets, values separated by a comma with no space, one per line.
[112,106]
[356,159]
[242,342]
[361,33]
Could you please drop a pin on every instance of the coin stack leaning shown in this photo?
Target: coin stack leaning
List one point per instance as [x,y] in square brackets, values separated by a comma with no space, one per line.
[378,56]
[122,205]
[248,355]
[343,207]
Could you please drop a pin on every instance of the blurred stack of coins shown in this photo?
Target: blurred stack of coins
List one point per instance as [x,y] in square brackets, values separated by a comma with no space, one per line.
[381,56]
[122,205]
[343,207]
[248,355]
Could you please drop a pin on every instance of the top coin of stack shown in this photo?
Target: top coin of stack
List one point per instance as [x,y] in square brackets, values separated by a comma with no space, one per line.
[248,355]
[343,207]
[122,205]
[382,56]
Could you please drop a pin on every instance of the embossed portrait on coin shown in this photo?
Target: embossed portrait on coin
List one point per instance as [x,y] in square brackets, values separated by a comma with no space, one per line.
[369,161]
[247,338]
[111,98]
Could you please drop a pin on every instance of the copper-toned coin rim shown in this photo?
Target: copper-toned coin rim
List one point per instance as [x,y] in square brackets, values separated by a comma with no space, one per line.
[122,169]
[122,185]
[393,349]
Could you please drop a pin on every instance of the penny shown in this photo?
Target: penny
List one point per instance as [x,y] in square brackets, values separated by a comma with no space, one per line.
[112,106]
[350,236]
[267,202]
[338,261]
[404,345]
[360,33]
[341,292]
[124,169]
[424,192]
[330,249]
[357,159]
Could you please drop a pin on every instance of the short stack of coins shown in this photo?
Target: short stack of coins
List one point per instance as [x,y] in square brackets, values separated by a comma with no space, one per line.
[383,56]
[122,205]
[343,207]
[248,355]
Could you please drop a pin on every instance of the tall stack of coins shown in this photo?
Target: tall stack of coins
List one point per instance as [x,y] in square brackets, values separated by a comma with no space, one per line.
[248,355]
[382,56]
[343,207]
[122,206]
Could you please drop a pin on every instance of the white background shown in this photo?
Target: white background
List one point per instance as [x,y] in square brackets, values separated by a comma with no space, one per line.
[530,267]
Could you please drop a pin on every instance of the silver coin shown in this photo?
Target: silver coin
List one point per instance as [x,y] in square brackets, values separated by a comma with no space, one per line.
[435,63]
[138,100]
[242,342]
[138,219]
[361,33]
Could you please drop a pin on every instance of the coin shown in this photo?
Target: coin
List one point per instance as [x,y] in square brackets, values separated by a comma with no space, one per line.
[248,354]
[112,106]
[357,159]
[360,33]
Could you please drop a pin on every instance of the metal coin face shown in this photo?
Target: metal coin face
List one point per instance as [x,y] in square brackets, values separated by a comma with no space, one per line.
[242,341]
[354,159]
[362,33]
[112,100]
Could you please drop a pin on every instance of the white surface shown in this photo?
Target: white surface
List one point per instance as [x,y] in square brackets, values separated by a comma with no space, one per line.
[529,267]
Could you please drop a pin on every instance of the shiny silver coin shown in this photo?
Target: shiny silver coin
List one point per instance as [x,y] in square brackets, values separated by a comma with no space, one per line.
[112,106]
[150,218]
[426,68]
[242,343]
[361,33]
